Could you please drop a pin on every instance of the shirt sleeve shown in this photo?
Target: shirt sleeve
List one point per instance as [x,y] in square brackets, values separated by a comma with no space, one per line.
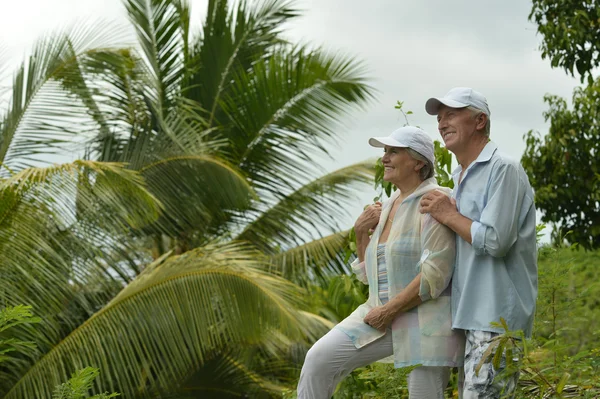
[497,230]
[358,268]
[438,245]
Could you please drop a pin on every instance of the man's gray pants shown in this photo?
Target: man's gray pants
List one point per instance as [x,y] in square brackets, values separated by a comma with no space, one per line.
[482,385]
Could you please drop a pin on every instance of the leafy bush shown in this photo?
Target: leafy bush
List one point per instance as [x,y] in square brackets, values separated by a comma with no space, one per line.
[81,381]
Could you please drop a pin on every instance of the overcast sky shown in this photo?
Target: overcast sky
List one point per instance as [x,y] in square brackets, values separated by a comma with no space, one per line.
[413,50]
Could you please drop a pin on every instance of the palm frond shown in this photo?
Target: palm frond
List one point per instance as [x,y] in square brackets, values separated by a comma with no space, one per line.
[200,193]
[169,320]
[161,26]
[225,376]
[183,132]
[318,204]
[3,72]
[231,40]
[286,107]
[317,259]
[57,225]
[106,187]
[41,118]
[265,369]
[109,82]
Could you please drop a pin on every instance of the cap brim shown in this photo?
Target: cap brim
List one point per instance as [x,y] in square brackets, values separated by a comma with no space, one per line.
[432,106]
[381,142]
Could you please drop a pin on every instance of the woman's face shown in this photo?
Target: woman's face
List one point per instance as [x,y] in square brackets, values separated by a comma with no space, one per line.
[399,166]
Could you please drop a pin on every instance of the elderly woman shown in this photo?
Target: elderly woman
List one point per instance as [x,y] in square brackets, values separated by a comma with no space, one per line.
[407,262]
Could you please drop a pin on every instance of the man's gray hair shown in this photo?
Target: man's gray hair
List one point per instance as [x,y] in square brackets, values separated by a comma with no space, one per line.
[477,111]
[427,170]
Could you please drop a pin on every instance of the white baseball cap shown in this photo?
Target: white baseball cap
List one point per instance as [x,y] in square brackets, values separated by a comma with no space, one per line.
[458,97]
[408,137]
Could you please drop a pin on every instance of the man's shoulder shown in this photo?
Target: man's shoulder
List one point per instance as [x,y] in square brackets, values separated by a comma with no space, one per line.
[502,162]
[500,158]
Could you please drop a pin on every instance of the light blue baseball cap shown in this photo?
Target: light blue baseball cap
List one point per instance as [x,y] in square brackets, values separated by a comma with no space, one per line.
[458,97]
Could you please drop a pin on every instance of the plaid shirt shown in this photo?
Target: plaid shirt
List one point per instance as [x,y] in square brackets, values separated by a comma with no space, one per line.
[416,243]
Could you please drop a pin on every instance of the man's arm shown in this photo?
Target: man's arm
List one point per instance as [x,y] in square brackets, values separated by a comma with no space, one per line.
[460,224]
[498,227]
[497,230]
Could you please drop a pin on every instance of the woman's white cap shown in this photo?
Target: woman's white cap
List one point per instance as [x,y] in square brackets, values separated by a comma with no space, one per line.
[408,137]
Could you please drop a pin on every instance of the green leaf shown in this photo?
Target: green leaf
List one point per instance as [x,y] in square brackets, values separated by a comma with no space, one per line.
[563,381]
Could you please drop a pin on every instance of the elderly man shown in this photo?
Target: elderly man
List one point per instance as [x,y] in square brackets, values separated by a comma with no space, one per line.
[493,215]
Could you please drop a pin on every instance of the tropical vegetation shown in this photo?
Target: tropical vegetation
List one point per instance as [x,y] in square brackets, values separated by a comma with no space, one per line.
[175,254]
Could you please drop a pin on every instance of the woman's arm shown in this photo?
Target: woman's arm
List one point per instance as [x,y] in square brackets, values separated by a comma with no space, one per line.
[362,241]
[381,317]
[437,261]
[407,299]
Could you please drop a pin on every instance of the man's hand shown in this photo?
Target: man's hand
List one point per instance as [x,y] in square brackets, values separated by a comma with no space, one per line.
[438,205]
[379,318]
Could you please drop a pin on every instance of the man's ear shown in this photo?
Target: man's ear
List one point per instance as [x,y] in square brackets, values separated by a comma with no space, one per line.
[481,121]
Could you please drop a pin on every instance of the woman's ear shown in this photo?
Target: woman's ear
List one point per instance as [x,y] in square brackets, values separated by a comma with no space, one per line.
[419,166]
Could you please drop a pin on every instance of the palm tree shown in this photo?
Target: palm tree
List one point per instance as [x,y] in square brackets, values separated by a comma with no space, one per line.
[219,131]
[51,244]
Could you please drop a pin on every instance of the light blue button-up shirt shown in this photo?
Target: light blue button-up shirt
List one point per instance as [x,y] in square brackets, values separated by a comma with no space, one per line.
[496,275]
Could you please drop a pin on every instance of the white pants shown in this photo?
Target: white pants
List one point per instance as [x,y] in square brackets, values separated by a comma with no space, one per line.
[334,356]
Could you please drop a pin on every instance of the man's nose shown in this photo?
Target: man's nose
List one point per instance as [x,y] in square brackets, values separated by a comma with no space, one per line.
[442,124]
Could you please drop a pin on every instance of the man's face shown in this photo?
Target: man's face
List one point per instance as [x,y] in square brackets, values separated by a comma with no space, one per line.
[456,126]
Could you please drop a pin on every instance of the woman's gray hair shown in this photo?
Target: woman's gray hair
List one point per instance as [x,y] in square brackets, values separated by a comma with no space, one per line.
[475,112]
[427,170]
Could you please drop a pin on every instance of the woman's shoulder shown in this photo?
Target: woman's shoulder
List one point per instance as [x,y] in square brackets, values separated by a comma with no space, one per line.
[433,186]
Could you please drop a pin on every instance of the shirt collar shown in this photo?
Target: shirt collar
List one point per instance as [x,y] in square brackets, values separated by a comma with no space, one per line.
[484,156]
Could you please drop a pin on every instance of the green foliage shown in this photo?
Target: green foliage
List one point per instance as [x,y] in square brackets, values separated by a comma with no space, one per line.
[564,167]
[79,385]
[81,381]
[10,317]
[201,140]
[443,165]
[567,316]
[377,380]
[570,34]
[339,297]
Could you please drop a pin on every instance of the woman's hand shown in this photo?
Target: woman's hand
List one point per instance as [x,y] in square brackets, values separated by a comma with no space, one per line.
[379,318]
[368,220]
[365,223]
